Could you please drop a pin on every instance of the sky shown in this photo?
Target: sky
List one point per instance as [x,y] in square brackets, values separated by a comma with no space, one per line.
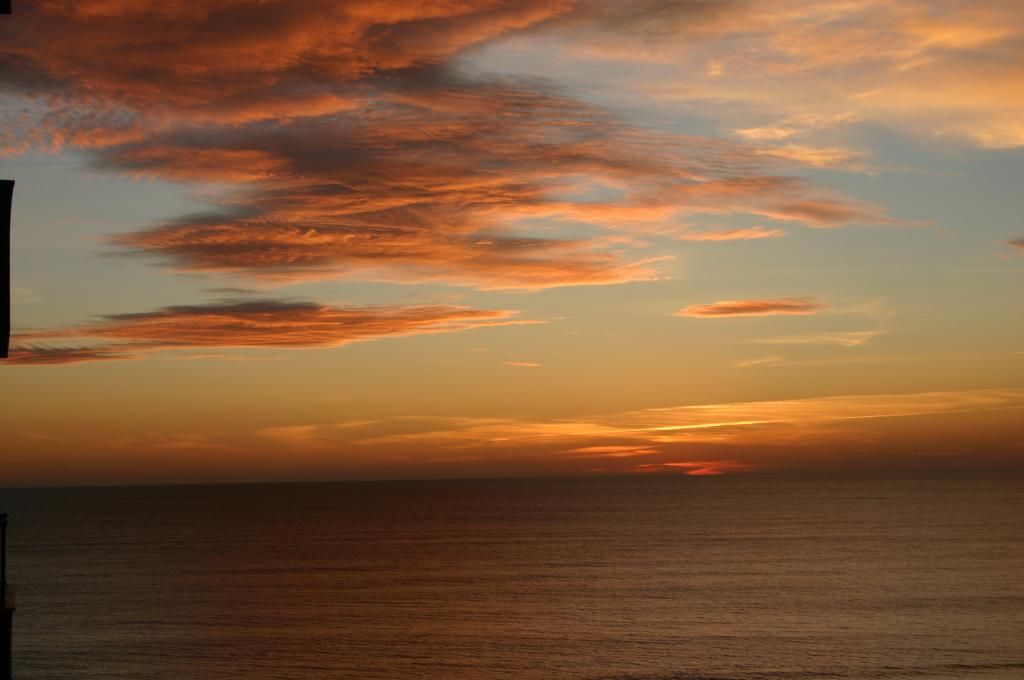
[269,240]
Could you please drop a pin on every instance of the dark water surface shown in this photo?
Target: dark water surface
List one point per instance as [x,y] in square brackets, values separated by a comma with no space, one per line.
[649,578]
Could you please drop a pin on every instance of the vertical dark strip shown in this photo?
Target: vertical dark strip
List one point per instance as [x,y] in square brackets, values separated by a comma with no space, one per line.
[3,559]
[6,610]
[6,199]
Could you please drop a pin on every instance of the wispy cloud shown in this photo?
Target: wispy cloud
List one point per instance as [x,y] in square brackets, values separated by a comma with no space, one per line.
[612,451]
[836,338]
[250,323]
[760,361]
[819,156]
[660,438]
[44,355]
[751,422]
[799,305]
[936,430]
[744,234]
[777,71]
[698,468]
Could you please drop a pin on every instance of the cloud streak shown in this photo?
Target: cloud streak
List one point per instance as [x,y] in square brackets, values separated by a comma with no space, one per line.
[698,468]
[692,439]
[759,361]
[42,355]
[724,308]
[835,338]
[746,234]
[248,324]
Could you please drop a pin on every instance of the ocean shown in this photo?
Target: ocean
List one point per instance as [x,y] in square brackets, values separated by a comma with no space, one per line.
[633,578]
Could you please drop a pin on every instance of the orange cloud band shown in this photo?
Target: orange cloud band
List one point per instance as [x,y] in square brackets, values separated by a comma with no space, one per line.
[802,305]
[257,323]
[718,438]
[748,234]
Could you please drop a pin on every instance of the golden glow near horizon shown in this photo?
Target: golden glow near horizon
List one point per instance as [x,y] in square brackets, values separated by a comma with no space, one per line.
[369,239]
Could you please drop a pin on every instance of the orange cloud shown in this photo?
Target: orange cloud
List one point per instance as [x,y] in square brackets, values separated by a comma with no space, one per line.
[817,156]
[802,305]
[252,323]
[153,62]
[788,422]
[710,438]
[1017,243]
[197,164]
[358,150]
[698,468]
[942,431]
[747,234]
[43,356]
[782,69]
[387,198]
[825,213]
[613,451]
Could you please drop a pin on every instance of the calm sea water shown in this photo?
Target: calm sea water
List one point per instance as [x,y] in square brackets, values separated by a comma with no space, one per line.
[649,578]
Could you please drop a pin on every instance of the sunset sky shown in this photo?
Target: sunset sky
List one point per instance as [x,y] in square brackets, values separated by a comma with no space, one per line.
[259,239]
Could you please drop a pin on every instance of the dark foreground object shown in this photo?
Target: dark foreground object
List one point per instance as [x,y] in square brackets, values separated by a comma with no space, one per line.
[7,629]
[6,608]
[6,197]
